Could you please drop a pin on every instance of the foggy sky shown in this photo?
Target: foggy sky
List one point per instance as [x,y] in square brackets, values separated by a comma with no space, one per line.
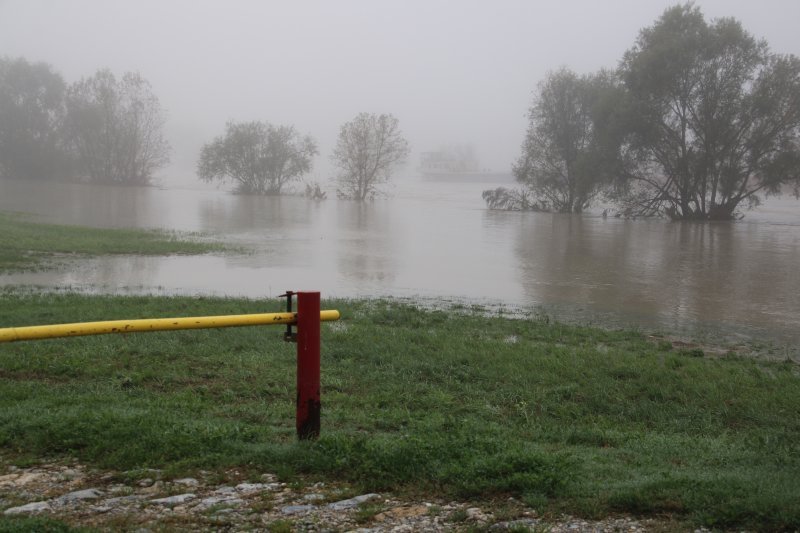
[451,71]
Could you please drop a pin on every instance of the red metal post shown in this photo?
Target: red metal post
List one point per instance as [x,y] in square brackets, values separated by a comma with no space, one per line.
[308,365]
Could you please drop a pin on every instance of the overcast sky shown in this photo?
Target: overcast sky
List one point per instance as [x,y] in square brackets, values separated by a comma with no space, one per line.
[451,71]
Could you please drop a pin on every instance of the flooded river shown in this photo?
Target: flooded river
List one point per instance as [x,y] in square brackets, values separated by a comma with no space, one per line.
[435,241]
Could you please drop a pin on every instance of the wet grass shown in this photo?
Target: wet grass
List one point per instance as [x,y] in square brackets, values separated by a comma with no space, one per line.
[26,245]
[566,418]
[37,525]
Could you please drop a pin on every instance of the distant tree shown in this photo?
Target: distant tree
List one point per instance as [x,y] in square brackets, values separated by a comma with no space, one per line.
[369,148]
[715,117]
[567,157]
[116,128]
[31,120]
[258,157]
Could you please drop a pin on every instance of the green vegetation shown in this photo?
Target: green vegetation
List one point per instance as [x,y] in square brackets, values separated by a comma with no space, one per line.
[282,156]
[567,418]
[36,525]
[699,120]
[104,128]
[28,245]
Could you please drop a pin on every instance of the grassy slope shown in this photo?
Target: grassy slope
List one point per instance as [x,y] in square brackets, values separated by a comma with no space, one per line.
[568,418]
[26,245]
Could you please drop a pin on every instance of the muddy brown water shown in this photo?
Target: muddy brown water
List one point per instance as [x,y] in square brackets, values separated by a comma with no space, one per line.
[434,241]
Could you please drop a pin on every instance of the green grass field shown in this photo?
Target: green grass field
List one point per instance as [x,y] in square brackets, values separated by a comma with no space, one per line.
[26,245]
[443,403]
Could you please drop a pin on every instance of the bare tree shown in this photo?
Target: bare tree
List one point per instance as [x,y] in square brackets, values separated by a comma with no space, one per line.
[369,148]
[115,127]
[259,157]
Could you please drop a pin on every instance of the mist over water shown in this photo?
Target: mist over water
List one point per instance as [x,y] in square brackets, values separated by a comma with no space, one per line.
[451,72]
[435,240]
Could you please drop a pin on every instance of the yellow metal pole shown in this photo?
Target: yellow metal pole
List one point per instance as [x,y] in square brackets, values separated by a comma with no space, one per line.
[152,324]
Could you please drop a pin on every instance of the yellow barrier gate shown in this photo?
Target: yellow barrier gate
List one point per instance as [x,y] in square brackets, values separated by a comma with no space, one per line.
[307,318]
[152,324]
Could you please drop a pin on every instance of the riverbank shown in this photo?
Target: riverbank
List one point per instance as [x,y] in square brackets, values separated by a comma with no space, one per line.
[423,404]
[27,245]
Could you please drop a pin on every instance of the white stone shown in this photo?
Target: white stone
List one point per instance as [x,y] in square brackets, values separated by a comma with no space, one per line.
[28,508]
[296,509]
[78,495]
[187,481]
[205,503]
[475,514]
[255,487]
[174,500]
[352,502]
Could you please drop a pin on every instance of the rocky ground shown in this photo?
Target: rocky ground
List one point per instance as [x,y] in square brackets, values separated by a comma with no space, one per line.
[143,501]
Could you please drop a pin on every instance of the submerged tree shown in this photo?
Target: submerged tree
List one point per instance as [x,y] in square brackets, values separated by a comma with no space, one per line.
[568,155]
[369,148]
[715,117]
[258,157]
[31,121]
[504,199]
[115,127]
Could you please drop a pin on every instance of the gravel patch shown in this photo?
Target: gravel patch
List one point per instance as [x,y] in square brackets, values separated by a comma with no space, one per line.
[80,496]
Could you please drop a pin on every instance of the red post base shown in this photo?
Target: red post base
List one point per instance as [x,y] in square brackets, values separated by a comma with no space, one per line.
[308,365]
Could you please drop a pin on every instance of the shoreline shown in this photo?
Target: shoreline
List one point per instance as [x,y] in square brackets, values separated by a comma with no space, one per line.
[715,339]
[567,420]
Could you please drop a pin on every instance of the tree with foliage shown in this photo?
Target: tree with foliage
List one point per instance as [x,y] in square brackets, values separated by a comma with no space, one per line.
[31,120]
[715,118]
[369,149]
[116,128]
[258,157]
[565,160]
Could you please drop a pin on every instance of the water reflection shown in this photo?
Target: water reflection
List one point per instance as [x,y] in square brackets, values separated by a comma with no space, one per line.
[103,205]
[368,249]
[671,275]
[258,215]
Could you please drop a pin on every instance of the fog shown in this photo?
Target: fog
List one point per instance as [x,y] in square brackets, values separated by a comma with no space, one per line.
[451,71]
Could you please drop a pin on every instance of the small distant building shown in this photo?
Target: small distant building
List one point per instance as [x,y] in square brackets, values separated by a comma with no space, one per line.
[457,160]
[457,163]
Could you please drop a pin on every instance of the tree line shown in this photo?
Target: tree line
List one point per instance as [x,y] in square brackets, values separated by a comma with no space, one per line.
[105,129]
[699,119]
[100,128]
